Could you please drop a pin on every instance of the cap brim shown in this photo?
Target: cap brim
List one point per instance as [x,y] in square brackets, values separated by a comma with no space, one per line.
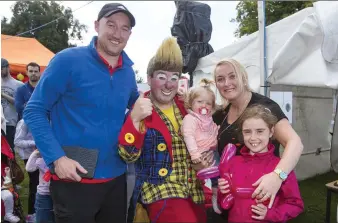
[130,16]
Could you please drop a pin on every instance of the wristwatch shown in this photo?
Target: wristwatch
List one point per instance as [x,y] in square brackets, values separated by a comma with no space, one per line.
[281,174]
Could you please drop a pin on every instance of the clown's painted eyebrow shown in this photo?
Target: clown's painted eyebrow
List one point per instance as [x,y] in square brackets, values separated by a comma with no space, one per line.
[173,75]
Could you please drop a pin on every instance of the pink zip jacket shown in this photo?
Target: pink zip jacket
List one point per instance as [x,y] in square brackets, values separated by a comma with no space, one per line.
[200,133]
[246,170]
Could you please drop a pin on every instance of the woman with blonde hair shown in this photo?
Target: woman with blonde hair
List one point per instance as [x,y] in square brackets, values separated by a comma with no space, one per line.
[231,81]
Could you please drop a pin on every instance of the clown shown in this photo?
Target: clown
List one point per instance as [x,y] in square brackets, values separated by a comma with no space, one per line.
[166,182]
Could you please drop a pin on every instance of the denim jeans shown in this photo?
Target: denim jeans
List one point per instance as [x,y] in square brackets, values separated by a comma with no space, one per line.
[44,209]
[214,181]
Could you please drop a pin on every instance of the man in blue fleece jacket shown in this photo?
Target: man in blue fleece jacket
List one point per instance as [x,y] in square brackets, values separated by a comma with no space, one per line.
[24,92]
[86,91]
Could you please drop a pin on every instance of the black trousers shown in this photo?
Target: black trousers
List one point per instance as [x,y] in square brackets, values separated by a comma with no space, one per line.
[10,134]
[217,218]
[90,203]
[33,184]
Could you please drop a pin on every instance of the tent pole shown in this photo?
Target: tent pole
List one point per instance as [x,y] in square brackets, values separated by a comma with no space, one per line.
[262,44]
[334,141]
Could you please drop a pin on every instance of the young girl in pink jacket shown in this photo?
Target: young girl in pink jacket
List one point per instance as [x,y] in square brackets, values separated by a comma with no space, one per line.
[257,158]
[198,128]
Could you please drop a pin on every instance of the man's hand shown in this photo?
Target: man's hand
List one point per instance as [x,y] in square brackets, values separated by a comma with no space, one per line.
[65,168]
[142,109]
[260,210]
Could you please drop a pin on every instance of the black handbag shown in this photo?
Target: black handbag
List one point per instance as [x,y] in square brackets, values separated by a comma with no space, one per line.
[87,158]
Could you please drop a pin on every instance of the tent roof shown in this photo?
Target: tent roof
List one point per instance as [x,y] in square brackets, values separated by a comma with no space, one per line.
[19,51]
[301,50]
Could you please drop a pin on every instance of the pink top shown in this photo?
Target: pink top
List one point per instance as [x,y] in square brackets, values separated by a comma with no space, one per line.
[200,133]
[247,169]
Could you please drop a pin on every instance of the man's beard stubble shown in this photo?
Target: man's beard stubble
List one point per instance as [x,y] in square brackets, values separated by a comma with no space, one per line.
[34,79]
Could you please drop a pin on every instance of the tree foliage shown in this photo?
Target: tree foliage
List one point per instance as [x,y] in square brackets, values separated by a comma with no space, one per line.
[247,14]
[139,79]
[28,15]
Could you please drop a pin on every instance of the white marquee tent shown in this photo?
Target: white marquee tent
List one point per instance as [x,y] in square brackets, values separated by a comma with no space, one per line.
[302,58]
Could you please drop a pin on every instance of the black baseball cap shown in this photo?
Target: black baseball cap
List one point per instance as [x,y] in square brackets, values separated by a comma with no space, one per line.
[4,63]
[112,8]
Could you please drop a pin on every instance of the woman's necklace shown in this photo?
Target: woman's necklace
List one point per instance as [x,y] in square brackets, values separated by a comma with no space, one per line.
[239,114]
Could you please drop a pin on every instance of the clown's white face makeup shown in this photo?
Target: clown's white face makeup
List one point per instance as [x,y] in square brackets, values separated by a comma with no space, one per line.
[164,86]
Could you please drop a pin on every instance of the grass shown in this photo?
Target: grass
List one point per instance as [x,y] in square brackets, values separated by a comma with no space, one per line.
[23,193]
[313,192]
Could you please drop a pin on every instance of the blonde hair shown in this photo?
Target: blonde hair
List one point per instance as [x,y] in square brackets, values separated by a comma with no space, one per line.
[240,72]
[195,92]
[258,111]
[168,58]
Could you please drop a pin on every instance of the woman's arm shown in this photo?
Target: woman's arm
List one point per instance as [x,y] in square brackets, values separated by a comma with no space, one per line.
[291,205]
[289,139]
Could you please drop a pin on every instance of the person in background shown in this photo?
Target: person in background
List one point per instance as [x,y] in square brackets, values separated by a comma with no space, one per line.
[9,87]
[3,122]
[8,195]
[43,202]
[24,92]
[86,90]
[24,146]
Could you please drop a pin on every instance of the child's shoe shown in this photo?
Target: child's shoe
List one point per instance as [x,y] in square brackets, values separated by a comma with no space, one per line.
[30,218]
[11,218]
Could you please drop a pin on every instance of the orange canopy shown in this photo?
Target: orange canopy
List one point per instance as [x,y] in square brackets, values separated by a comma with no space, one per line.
[20,51]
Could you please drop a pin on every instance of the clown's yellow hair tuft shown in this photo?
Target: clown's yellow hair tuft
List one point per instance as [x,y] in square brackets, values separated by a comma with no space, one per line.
[168,57]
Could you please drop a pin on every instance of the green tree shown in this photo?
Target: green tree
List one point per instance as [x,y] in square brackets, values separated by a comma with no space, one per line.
[247,15]
[28,15]
[139,79]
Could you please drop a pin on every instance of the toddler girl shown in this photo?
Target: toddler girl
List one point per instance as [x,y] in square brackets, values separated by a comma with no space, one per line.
[257,158]
[198,129]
